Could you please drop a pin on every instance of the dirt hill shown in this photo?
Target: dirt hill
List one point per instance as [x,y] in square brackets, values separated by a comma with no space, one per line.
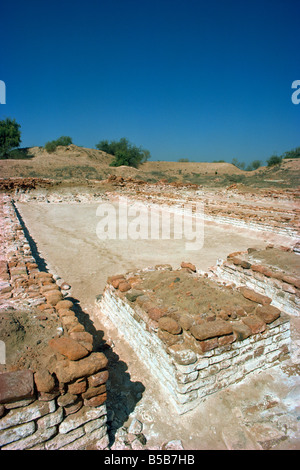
[79,163]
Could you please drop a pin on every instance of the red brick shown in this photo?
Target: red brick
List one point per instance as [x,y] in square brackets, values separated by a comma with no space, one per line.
[110,279]
[190,266]
[208,344]
[211,329]
[16,386]
[124,286]
[254,296]
[53,297]
[255,323]
[96,401]
[155,313]
[240,262]
[44,381]
[68,371]
[77,387]
[98,379]
[170,325]
[94,391]
[241,330]
[68,348]
[228,339]
[64,304]
[268,313]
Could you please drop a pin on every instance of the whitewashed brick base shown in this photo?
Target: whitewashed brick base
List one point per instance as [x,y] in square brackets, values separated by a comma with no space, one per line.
[201,375]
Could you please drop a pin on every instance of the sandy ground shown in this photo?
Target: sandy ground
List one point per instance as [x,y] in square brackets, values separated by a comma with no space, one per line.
[246,416]
[66,238]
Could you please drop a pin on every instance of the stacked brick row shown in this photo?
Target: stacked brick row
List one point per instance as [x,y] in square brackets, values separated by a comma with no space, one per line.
[282,287]
[281,220]
[192,358]
[61,405]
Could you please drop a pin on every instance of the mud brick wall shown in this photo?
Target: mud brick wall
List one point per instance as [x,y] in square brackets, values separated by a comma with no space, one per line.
[216,360]
[61,404]
[281,287]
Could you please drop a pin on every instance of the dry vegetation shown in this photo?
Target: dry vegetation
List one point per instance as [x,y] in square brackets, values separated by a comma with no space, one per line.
[79,163]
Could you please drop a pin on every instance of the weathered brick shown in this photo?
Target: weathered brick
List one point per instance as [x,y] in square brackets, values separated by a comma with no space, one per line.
[80,418]
[268,313]
[255,323]
[44,381]
[254,296]
[211,329]
[68,371]
[241,330]
[208,344]
[16,433]
[96,401]
[98,379]
[16,385]
[33,411]
[79,386]
[39,436]
[170,325]
[68,348]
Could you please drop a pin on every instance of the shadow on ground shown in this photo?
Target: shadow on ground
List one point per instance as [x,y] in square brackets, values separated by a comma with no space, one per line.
[122,393]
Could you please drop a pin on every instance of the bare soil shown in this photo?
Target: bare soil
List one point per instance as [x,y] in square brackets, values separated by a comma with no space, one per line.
[26,335]
[197,296]
[285,261]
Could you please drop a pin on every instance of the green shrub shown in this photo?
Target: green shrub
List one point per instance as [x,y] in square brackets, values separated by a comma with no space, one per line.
[295,153]
[50,146]
[64,140]
[19,154]
[124,152]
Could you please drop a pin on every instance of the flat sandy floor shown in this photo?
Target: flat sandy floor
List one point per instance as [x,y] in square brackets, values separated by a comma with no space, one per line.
[66,238]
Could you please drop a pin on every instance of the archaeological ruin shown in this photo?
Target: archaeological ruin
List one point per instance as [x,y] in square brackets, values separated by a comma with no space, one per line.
[195,329]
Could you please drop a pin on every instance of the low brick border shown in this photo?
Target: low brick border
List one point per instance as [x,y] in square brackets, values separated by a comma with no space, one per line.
[222,354]
[281,287]
[62,407]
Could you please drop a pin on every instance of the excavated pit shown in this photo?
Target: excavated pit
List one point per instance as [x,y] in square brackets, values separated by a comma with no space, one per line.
[64,230]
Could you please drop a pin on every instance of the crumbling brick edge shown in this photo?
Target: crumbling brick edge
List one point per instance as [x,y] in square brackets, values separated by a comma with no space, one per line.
[63,406]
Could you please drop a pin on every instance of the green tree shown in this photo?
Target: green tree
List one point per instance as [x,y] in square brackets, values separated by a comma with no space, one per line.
[10,136]
[274,160]
[295,153]
[124,152]
[64,140]
[254,165]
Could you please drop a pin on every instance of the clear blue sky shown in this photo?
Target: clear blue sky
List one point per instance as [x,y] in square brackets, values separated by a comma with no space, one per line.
[197,79]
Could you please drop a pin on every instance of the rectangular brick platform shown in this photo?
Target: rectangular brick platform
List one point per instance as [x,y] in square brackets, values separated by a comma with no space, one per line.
[196,353]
